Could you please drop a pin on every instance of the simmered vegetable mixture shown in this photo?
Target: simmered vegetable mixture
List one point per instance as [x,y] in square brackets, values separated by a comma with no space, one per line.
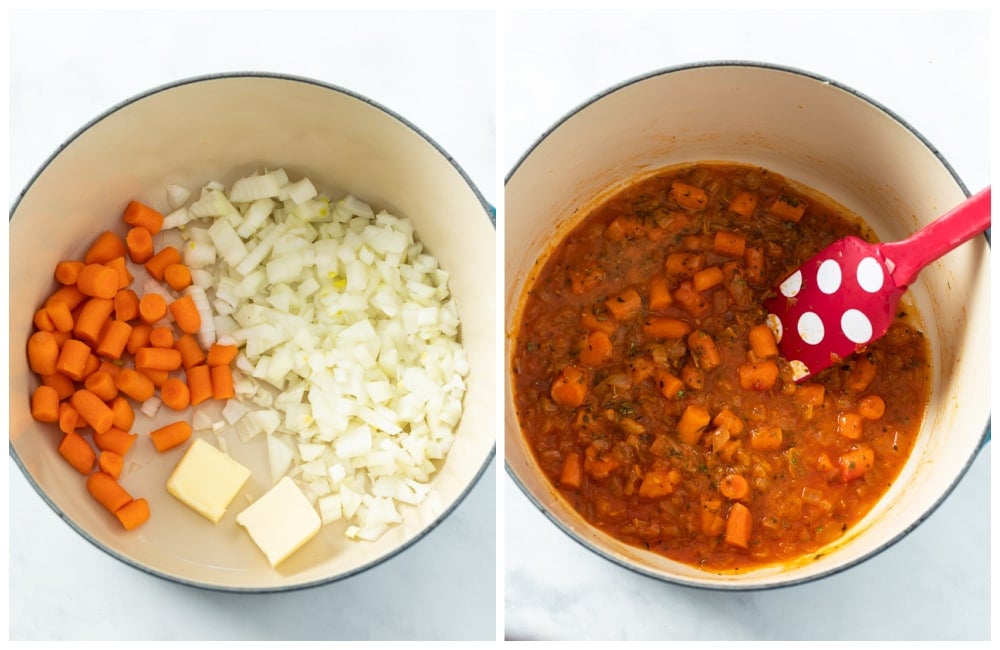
[652,393]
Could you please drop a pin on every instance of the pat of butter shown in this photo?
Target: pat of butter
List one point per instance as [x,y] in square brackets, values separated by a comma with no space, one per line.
[206,480]
[281,521]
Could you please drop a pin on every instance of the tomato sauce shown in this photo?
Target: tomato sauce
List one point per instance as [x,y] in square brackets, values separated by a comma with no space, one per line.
[652,395]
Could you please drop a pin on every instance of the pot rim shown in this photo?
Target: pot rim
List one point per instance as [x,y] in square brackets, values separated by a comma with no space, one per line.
[984,438]
[209,78]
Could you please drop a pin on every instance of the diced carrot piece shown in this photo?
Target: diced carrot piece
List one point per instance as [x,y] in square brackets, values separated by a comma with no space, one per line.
[571,475]
[739,525]
[570,387]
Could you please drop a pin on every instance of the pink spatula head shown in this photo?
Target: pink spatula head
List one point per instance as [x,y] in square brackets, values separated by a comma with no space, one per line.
[846,295]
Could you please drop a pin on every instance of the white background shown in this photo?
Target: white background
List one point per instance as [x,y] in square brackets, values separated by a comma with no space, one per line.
[437,71]
[931,68]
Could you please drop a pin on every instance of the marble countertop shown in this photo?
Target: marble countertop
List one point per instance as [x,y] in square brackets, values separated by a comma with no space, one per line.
[66,68]
[930,68]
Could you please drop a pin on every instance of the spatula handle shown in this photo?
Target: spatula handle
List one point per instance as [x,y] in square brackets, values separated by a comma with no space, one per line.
[912,254]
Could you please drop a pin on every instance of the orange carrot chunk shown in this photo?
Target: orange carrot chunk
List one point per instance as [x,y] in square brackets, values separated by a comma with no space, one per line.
[69,419]
[62,384]
[67,271]
[596,349]
[157,358]
[111,464]
[569,388]
[126,304]
[199,380]
[115,440]
[139,242]
[108,492]
[175,394]
[115,338]
[77,452]
[43,353]
[170,436]
[68,294]
[186,314]
[734,487]
[73,359]
[572,471]
[162,336]
[140,214]
[93,410]
[178,276]
[223,355]
[102,384]
[222,382]
[133,514]
[191,352]
[739,525]
[152,307]
[105,248]
[45,404]
[124,275]
[91,319]
[135,384]
[124,414]
[61,317]
[157,264]
[139,338]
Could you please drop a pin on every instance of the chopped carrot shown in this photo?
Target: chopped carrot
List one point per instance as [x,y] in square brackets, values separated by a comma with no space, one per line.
[111,368]
[59,314]
[139,242]
[45,404]
[666,327]
[175,394]
[753,259]
[124,275]
[140,214]
[641,368]
[115,338]
[739,525]
[862,374]
[572,471]
[684,265]
[191,352]
[569,388]
[788,208]
[61,383]
[152,307]
[157,264]
[135,384]
[162,336]
[199,381]
[133,514]
[692,423]
[178,276]
[668,384]
[687,196]
[758,375]
[222,382]
[743,204]
[91,366]
[105,248]
[849,425]
[624,227]
[67,271]
[43,353]
[597,349]
[186,314]
[102,384]
[69,419]
[659,293]
[61,337]
[223,355]
[588,320]
[157,358]
[68,294]
[734,487]
[871,407]
[126,305]
[707,278]
[108,492]
[93,410]
[693,376]
[766,437]
[42,320]
[855,462]
[704,351]
[115,440]
[90,322]
[171,435]
[111,464]
[77,452]
[762,342]
[712,523]
[139,338]
[732,423]
[658,483]
[73,358]
[810,394]
[124,415]
[625,305]
[728,243]
[692,301]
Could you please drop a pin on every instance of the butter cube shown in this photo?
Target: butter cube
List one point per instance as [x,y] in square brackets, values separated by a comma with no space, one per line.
[206,480]
[281,521]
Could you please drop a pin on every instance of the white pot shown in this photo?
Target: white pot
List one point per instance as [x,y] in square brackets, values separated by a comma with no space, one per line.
[826,137]
[220,128]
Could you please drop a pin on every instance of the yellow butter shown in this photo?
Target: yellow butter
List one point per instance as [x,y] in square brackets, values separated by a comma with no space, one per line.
[281,521]
[206,480]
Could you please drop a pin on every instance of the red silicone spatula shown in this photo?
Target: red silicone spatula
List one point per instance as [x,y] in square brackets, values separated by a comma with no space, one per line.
[846,295]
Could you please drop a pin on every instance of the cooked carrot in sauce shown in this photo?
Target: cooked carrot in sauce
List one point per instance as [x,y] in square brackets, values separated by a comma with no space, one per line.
[652,394]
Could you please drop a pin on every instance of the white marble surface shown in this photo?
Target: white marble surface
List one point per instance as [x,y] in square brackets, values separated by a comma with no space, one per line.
[930,68]
[438,71]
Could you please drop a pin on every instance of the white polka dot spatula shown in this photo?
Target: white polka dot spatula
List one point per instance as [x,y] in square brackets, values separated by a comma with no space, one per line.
[846,295]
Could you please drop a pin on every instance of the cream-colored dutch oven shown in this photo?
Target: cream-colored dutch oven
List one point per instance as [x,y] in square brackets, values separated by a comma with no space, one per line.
[221,128]
[827,137]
